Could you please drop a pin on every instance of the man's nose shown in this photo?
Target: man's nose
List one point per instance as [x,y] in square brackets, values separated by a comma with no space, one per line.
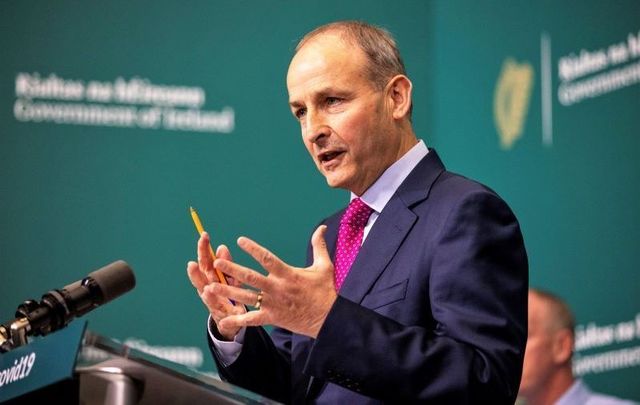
[316,128]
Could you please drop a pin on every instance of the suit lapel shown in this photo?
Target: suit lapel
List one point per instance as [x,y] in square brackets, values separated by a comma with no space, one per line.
[331,237]
[314,386]
[391,228]
[384,239]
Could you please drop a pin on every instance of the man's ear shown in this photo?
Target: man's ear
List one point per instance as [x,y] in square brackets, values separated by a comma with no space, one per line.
[562,346]
[399,95]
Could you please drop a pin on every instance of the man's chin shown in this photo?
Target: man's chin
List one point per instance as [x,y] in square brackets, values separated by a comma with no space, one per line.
[334,182]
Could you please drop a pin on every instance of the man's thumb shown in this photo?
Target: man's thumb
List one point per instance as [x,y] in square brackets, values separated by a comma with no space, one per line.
[319,245]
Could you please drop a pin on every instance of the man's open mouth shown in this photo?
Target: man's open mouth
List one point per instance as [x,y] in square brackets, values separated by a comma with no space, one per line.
[329,156]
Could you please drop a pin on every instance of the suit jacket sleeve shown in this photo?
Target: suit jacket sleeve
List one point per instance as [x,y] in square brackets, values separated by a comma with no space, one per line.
[469,348]
[263,365]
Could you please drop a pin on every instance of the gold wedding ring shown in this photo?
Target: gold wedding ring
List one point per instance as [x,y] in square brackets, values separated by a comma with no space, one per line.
[258,303]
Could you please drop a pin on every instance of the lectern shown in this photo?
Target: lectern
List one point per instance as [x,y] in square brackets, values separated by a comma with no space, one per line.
[77,366]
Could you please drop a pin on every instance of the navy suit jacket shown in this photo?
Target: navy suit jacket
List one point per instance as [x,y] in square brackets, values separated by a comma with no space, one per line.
[434,308]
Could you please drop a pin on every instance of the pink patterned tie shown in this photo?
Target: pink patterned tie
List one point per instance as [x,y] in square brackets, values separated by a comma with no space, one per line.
[350,235]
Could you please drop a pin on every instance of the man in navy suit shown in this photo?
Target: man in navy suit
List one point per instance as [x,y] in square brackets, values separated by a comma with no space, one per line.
[434,307]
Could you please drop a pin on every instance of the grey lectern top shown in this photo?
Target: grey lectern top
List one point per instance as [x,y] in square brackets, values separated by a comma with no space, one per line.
[112,373]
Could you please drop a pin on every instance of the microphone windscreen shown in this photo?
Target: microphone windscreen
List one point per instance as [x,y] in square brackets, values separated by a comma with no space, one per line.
[114,279]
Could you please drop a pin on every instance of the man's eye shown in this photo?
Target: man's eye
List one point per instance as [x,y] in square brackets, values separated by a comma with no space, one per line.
[299,113]
[332,100]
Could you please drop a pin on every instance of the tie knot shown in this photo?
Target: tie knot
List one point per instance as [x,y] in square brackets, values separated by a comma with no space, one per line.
[357,213]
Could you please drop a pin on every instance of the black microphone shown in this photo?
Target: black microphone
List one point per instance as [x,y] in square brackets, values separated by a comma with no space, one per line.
[60,306]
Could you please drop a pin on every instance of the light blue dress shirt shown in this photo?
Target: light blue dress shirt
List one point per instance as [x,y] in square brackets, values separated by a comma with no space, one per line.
[377,196]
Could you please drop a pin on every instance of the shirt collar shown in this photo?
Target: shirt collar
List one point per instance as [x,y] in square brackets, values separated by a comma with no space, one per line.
[578,393]
[378,195]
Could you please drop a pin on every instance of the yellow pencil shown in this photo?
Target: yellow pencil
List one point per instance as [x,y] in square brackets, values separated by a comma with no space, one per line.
[200,229]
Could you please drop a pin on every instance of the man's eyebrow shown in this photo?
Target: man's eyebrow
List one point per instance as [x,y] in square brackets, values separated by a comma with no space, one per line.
[320,94]
[331,91]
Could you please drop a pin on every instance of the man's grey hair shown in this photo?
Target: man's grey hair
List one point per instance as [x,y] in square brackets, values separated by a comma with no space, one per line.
[377,44]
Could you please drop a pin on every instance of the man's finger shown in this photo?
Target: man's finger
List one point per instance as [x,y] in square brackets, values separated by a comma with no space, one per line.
[321,255]
[218,305]
[198,280]
[253,318]
[204,258]
[223,253]
[241,295]
[243,274]
[267,260]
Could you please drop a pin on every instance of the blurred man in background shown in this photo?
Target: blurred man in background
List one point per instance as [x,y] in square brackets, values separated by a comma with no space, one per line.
[547,376]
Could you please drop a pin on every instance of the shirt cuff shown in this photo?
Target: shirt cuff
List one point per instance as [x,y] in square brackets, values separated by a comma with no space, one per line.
[228,351]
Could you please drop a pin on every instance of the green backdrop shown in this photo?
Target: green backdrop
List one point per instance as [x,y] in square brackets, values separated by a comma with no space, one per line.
[115,117]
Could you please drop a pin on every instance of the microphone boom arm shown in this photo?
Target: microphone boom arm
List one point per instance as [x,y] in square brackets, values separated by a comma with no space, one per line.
[60,306]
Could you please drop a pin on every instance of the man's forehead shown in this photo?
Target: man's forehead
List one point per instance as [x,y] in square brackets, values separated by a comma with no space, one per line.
[318,50]
[537,305]
[329,46]
[540,311]
[325,66]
